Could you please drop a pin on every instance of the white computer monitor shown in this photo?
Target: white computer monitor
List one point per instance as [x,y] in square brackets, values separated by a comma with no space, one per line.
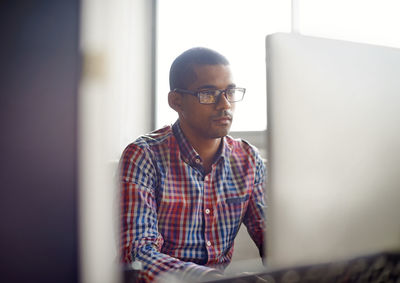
[333,149]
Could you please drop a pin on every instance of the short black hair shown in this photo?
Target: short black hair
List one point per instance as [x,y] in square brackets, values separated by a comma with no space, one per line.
[182,74]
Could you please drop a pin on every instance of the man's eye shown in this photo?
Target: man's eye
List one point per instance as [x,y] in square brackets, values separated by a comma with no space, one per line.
[207,96]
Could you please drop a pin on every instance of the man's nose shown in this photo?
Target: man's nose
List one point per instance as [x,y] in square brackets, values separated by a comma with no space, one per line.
[223,102]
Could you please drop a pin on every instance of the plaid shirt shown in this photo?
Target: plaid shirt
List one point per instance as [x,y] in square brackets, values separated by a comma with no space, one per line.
[177,218]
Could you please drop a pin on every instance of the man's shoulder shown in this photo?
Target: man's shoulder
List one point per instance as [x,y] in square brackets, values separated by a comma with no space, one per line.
[152,140]
[155,138]
[241,145]
[244,152]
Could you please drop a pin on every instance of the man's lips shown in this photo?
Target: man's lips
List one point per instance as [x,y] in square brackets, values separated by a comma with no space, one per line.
[223,119]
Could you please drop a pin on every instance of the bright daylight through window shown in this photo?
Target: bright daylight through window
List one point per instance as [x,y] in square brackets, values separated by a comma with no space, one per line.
[235,28]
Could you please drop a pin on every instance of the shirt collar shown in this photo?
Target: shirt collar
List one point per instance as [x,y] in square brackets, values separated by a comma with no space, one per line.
[189,154]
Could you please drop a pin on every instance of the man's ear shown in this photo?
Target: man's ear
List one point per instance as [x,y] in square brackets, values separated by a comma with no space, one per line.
[175,101]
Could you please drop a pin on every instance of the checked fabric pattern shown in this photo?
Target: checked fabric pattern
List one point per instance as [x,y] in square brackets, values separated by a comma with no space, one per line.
[176,218]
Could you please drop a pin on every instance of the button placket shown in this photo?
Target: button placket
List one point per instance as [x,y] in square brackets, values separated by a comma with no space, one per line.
[208,235]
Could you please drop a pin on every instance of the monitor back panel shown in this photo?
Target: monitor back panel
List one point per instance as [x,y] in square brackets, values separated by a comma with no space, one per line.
[333,149]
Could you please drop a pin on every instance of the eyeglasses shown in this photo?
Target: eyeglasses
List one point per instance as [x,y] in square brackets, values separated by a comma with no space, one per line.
[212,96]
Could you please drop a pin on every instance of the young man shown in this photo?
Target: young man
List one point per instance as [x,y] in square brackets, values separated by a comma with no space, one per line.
[187,188]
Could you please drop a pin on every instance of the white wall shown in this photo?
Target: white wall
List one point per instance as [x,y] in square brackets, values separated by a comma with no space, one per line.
[114,108]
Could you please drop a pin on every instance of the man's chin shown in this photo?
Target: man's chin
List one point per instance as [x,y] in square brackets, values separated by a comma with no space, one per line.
[219,133]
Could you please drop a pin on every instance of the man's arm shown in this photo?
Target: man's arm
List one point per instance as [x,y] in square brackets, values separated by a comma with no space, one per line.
[255,215]
[140,239]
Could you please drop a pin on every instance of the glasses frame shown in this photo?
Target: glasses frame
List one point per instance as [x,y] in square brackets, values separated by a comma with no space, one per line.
[217,97]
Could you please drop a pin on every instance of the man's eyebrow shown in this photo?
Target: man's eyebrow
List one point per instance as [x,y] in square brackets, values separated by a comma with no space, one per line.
[214,87]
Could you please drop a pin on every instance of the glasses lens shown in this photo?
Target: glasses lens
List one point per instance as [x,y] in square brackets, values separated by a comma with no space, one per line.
[235,94]
[231,94]
[212,96]
[208,96]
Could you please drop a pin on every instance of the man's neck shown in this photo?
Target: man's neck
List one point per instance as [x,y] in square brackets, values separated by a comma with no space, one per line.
[207,148]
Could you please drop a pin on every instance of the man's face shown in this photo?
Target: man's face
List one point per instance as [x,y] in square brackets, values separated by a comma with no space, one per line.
[208,121]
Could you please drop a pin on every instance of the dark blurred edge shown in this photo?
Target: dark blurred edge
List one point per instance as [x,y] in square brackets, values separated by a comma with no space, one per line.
[40,71]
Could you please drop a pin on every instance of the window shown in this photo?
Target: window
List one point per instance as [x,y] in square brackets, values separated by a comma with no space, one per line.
[367,21]
[235,28]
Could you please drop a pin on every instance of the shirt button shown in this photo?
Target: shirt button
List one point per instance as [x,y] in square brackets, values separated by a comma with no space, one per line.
[206,178]
[197,161]
[209,243]
[207,211]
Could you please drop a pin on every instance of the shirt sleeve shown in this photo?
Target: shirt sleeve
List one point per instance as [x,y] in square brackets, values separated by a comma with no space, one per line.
[254,218]
[140,239]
